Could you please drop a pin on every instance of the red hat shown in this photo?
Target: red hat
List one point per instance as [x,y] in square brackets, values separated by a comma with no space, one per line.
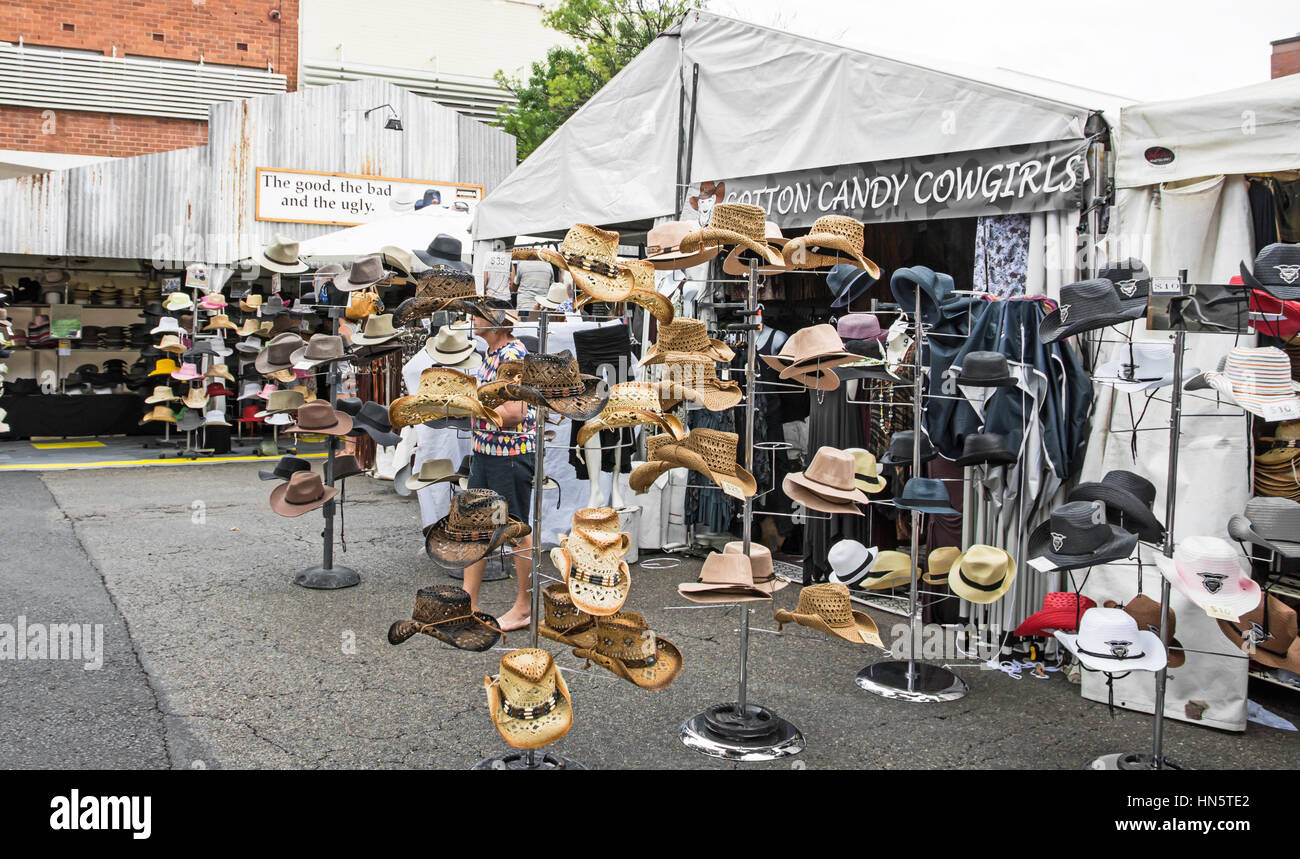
[1061,610]
[217,389]
[249,415]
[1285,321]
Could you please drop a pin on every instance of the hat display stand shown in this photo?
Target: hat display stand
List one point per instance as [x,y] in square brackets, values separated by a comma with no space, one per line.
[742,730]
[534,759]
[909,679]
[328,576]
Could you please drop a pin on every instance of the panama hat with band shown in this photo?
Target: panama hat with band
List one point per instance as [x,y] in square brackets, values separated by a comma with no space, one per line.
[866,474]
[1130,500]
[737,261]
[1146,612]
[850,561]
[1078,535]
[442,393]
[826,607]
[735,224]
[563,621]
[303,492]
[828,484]
[686,340]
[1109,640]
[452,346]
[725,578]
[663,247]
[626,646]
[1209,572]
[891,569]
[528,700]
[982,574]
[705,451]
[443,612]
[939,563]
[701,380]
[547,381]
[1061,610]
[633,404]
[831,239]
[598,587]
[590,255]
[1267,633]
[477,524]
[1257,379]
[281,255]
[1273,523]
[1084,306]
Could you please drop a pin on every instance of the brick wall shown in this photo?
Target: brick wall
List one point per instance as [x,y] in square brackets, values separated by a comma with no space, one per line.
[228,32]
[1286,57]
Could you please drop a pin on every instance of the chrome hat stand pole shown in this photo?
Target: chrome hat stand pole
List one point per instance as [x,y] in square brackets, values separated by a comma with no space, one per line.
[908,679]
[740,730]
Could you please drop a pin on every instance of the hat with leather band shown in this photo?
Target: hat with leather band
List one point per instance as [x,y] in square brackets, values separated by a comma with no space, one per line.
[563,621]
[635,404]
[320,417]
[1109,640]
[477,524]
[598,578]
[1078,535]
[700,383]
[443,612]
[281,255]
[816,347]
[725,578]
[303,492]
[590,255]
[1273,523]
[376,329]
[365,271]
[1129,499]
[278,354]
[761,569]
[320,349]
[625,645]
[547,381]
[1084,306]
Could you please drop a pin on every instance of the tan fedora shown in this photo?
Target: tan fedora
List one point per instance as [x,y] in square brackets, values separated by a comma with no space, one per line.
[833,239]
[686,340]
[443,393]
[827,607]
[376,330]
[159,413]
[866,476]
[815,348]
[219,371]
[633,404]
[528,700]
[828,484]
[663,247]
[982,574]
[320,349]
[706,451]
[283,401]
[734,224]
[724,578]
[364,272]
[590,255]
[162,394]
[762,570]
[939,564]
[563,621]
[625,645]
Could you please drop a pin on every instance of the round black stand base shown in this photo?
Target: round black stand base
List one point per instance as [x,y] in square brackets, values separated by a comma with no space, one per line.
[327,580]
[926,683]
[757,735]
[1133,762]
[519,761]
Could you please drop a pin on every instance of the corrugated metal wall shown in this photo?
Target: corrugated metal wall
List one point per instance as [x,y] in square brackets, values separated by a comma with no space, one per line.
[200,203]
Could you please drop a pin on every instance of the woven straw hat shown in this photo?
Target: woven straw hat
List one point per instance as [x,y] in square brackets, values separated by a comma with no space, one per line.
[564,622]
[598,582]
[159,413]
[1280,447]
[734,224]
[443,393]
[686,340]
[982,574]
[434,292]
[701,384]
[221,321]
[827,607]
[626,646]
[644,293]
[547,381]
[590,254]
[663,247]
[528,700]
[737,261]
[940,564]
[162,394]
[477,524]
[633,404]
[831,239]
[443,611]
[707,451]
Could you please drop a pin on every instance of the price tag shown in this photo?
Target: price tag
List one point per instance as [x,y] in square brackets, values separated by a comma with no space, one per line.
[1280,411]
[732,489]
[1220,613]
[1041,564]
[498,262]
[1166,286]
[65,348]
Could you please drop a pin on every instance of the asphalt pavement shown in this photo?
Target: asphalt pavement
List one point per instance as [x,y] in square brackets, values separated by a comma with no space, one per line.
[213,658]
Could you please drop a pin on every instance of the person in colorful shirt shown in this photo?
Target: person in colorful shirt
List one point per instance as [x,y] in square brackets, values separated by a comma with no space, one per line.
[502,461]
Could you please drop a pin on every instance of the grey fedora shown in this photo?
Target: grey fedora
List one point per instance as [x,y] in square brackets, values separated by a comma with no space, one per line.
[985,370]
[926,495]
[366,271]
[1273,523]
[1084,306]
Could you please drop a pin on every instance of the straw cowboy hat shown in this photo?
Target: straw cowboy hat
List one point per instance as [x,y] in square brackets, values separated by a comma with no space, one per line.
[477,524]
[280,255]
[663,247]
[1268,634]
[1146,612]
[1257,379]
[643,292]
[303,492]
[443,612]
[590,255]
[218,322]
[625,645]
[1210,572]
[162,394]
[1109,640]
[686,340]
[563,621]
[1273,523]
[443,393]
[598,583]
[251,302]
[171,343]
[699,380]
[707,451]
[761,570]
[1279,448]
[816,347]
[982,574]
[734,224]
[737,261]
[826,607]
[634,404]
[441,289]
[547,381]
[196,398]
[828,484]
[528,700]
[831,239]
[725,578]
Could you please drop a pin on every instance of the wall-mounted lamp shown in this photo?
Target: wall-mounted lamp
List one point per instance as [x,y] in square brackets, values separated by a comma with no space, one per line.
[394,123]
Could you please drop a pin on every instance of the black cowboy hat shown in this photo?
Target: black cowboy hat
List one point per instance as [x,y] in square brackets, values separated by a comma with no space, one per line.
[285,468]
[444,250]
[1084,306]
[1132,282]
[1078,535]
[1129,499]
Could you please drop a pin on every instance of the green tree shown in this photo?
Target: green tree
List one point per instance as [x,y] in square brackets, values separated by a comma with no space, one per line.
[606,35]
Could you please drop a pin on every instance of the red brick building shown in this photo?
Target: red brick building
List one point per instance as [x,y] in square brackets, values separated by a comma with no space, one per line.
[1286,57]
[134,76]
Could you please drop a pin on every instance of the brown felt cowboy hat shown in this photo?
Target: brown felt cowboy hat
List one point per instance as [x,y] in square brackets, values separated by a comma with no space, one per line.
[477,524]
[833,239]
[443,612]
[735,224]
[707,451]
[528,700]
[1146,612]
[320,417]
[443,393]
[547,381]
[303,492]
[626,646]
[826,607]
[590,255]
[634,404]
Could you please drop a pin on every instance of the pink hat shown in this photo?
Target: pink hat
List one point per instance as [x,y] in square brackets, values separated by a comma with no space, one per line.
[267,390]
[212,301]
[187,373]
[860,326]
[1209,572]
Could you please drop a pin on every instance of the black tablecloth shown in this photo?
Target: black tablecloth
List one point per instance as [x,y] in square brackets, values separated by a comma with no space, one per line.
[88,414]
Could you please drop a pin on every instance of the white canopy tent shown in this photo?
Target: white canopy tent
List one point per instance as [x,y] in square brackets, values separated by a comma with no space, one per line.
[412,231]
[767,102]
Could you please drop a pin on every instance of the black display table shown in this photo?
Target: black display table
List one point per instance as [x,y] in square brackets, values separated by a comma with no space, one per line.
[77,415]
